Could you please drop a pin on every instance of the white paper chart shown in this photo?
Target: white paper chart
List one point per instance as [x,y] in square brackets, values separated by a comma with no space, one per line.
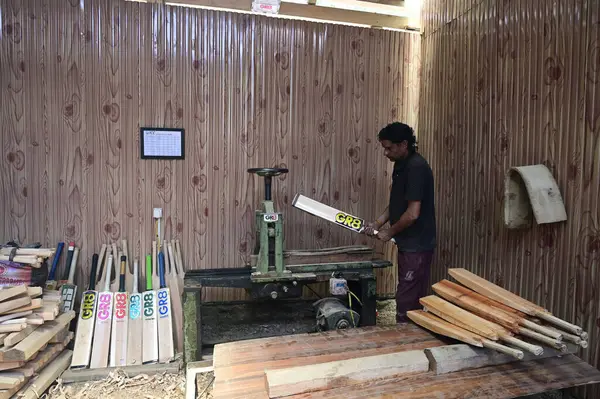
[162,143]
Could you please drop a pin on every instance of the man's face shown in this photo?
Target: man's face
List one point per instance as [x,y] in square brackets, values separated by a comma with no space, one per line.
[394,151]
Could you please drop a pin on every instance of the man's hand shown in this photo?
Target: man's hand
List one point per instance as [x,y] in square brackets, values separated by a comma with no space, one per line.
[385,235]
[370,228]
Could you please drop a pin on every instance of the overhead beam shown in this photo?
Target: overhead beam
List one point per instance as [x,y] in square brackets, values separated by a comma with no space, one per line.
[306,11]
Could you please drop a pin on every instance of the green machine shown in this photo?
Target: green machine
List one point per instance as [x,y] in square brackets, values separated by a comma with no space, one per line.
[269,232]
[270,275]
[275,278]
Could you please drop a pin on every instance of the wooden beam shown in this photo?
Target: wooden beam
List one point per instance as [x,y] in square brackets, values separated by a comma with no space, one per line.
[453,358]
[322,376]
[306,11]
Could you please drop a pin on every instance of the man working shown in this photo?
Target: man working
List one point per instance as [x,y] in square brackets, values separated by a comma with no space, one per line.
[411,216]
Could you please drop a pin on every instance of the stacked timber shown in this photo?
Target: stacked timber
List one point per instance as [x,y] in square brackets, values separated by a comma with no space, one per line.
[34,333]
[33,257]
[483,314]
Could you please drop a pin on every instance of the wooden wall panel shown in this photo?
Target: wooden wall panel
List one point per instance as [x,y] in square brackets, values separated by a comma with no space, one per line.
[516,83]
[79,78]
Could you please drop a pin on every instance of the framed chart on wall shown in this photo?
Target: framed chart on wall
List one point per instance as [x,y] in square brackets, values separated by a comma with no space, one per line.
[162,143]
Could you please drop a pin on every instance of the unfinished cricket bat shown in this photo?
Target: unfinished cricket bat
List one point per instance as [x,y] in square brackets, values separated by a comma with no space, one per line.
[68,291]
[128,275]
[440,326]
[470,301]
[135,332]
[101,341]
[70,252]
[166,350]
[150,322]
[330,214]
[493,291]
[118,340]
[177,308]
[85,326]
[464,319]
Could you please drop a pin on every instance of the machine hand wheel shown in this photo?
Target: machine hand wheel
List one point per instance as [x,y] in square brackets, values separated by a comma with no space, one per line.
[268,173]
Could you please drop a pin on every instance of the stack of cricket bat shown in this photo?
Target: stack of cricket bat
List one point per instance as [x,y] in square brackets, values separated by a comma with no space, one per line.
[34,333]
[480,313]
[131,312]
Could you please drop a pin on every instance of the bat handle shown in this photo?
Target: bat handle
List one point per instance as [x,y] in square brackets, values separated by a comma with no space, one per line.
[161,269]
[93,272]
[56,259]
[148,272]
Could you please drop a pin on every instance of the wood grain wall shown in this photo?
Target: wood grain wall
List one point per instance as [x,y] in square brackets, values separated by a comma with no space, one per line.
[78,78]
[509,83]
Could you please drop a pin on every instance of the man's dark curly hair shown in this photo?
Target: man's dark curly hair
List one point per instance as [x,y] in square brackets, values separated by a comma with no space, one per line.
[398,132]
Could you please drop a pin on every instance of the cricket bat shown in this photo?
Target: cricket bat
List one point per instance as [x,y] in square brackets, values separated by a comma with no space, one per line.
[135,332]
[68,291]
[330,214]
[166,350]
[85,326]
[101,342]
[150,322]
[51,282]
[118,339]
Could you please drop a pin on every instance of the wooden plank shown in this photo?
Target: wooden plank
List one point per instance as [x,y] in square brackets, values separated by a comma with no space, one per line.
[82,375]
[323,376]
[452,358]
[25,349]
[48,375]
[12,292]
[309,11]
[239,366]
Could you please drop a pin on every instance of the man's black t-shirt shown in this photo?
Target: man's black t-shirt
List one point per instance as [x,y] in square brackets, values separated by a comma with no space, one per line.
[412,180]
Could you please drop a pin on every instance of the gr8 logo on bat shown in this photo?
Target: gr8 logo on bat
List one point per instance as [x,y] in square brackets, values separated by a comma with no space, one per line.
[120,305]
[163,303]
[349,221]
[87,308]
[149,305]
[135,305]
[104,308]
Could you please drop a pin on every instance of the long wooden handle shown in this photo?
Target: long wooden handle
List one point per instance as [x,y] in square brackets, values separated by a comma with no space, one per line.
[73,264]
[561,323]
[576,339]
[501,348]
[535,349]
[108,273]
[541,329]
[544,339]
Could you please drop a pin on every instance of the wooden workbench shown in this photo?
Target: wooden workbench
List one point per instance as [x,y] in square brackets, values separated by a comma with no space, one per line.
[239,367]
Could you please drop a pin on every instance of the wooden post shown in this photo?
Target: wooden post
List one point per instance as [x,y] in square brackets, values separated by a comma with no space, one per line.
[192,325]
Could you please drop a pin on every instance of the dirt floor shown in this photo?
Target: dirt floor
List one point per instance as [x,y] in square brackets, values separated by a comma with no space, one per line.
[172,386]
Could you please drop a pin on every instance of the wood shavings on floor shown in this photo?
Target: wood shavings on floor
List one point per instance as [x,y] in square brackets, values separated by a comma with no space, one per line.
[204,385]
[119,386]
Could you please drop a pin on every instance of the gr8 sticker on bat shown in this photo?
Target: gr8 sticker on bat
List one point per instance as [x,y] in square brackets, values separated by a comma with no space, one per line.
[87,309]
[148,305]
[163,303]
[349,221]
[120,305]
[134,306]
[104,301]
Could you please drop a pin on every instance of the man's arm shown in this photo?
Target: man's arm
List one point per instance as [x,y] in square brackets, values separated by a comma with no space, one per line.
[408,217]
[380,221]
[415,192]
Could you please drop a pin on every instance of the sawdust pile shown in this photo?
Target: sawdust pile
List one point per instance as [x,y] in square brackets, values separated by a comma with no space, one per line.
[119,385]
[386,313]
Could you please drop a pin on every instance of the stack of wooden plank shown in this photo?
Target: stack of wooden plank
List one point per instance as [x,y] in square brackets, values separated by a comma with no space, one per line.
[33,257]
[483,314]
[34,333]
